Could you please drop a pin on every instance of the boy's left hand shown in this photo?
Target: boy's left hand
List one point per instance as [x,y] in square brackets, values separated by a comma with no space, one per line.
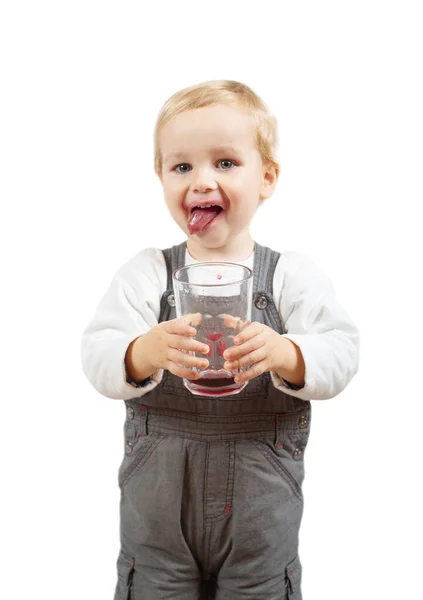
[258,344]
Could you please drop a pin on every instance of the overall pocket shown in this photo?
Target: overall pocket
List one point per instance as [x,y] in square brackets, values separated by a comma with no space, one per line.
[286,461]
[293,579]
[125,571]
[136,455]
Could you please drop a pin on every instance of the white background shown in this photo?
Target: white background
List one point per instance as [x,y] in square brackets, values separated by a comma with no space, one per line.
[82,83]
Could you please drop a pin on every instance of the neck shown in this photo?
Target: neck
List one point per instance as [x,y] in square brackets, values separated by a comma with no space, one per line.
[238,249]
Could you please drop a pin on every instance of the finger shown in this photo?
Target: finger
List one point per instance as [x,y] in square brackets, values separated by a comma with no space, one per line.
[181,326]
[188,360]
[248,359]
[255,371]
[235,323]
[180,342]
[248,332]
[193,319]
[235,352]
[182,371]
[231,322]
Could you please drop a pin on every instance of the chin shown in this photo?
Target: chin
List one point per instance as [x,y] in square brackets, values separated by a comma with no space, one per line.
[211,242]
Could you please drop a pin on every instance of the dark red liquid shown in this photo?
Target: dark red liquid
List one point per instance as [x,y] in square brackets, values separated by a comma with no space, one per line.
[213,383]
[213,337]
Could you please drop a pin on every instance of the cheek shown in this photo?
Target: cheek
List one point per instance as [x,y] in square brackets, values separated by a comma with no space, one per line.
[246,185]
[173,202]
[172,197]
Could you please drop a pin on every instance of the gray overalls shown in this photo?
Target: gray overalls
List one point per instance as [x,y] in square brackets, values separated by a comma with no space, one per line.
[211,498]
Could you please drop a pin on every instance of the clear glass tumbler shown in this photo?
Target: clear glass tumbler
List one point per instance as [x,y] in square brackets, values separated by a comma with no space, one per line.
[216,298]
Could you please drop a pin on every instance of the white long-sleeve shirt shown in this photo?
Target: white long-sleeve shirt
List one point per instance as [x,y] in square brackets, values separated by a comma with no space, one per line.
[304,296]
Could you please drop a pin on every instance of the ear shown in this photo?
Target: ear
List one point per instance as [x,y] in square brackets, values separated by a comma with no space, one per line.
[269,181]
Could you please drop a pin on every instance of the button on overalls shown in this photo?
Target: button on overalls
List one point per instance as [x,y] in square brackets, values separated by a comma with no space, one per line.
[211,488]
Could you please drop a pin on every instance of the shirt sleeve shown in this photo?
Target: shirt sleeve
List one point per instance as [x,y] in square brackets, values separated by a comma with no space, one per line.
[318,325]
[129,309]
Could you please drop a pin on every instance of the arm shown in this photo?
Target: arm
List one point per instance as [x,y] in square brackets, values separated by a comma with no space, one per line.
[318,329]
[128,310]
[138,369]
[292,372]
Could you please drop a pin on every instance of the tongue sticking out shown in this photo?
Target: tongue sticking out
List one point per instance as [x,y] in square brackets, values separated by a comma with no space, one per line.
[201,217]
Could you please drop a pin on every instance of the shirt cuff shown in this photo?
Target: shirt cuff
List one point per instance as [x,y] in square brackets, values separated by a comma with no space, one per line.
[291,386]
[283,385]
[145,384]
[138,384]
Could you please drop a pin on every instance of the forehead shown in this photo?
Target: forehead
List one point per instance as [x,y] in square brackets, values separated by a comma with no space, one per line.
[202,129]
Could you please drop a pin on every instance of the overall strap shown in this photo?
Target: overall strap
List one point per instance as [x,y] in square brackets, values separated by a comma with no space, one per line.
[174,258]
[264,308]
[265,261]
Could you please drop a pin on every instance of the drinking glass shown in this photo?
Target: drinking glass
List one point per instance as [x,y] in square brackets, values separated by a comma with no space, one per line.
[215,298]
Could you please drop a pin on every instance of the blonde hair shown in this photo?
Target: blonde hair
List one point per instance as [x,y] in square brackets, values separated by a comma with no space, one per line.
[222,92]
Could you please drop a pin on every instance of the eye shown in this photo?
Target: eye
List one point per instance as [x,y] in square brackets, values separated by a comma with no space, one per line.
[226,160]
[182,165]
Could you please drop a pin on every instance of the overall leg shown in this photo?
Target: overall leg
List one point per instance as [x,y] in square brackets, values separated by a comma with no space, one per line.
[256,546]
[263,531]
[156,522]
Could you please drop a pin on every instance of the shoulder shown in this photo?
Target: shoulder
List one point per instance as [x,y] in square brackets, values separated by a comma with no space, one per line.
[297,273]
[293,262]
[147,266]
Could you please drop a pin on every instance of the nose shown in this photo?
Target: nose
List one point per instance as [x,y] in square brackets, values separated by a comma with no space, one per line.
[203,181]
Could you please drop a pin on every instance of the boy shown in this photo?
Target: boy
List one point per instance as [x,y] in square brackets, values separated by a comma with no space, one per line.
[211,498]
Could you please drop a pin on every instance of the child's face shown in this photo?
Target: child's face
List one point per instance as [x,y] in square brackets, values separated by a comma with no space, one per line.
[209,157]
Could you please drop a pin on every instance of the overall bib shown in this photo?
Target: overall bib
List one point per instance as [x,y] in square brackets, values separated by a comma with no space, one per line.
[211,488]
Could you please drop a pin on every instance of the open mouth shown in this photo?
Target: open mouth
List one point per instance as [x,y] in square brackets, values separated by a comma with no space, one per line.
[201,216]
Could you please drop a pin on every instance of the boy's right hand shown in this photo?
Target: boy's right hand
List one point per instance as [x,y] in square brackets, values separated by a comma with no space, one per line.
[162,348]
